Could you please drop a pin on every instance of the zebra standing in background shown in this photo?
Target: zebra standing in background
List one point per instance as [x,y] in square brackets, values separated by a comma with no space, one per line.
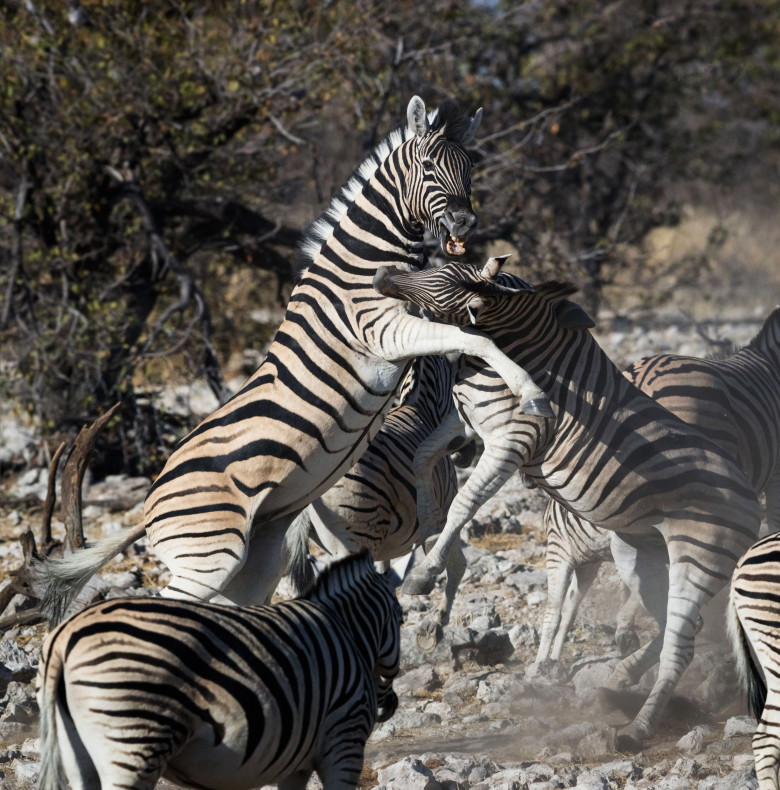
[217,514]
[611,454]
[374,506]
[754,624]
[221,697]
[735,402]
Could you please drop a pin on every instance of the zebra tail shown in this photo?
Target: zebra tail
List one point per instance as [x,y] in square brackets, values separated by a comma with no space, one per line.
[63,578]
[748,672]
[300,569]
[52,774]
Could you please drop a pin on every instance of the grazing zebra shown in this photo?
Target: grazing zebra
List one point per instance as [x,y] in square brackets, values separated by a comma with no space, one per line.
[217,514]
[754,623]
[374,506]
[611,454]
[734,401]
[221,697]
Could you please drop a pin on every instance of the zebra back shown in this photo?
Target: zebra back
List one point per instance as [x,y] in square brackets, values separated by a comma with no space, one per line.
[200,692]
[734,401]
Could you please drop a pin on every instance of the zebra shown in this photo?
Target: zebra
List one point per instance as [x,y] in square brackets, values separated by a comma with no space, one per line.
[218,513]
[611,454]
[221,697]
[374,505]
[753,619]
[736,402]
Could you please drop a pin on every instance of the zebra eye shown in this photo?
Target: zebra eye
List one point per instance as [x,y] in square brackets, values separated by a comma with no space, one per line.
[428,165]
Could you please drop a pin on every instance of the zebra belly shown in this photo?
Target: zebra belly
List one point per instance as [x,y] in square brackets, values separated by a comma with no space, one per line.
[199,763]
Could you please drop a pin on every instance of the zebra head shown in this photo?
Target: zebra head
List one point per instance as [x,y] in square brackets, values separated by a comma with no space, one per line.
[452,294]
[438,186]
[465,294]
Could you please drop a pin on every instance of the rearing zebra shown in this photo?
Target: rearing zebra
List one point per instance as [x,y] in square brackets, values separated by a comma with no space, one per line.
[220,697]
[611,454]
[217,514]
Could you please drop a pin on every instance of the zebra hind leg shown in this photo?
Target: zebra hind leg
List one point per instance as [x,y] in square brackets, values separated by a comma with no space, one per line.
[766,745]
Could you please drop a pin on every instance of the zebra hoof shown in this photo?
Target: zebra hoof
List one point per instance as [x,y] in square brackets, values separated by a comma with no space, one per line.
[547,670]
[429,635]
[627,642]
[538,407]
[628,742]
[418,584]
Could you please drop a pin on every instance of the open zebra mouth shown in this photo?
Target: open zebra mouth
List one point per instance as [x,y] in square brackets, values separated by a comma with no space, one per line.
[454,245]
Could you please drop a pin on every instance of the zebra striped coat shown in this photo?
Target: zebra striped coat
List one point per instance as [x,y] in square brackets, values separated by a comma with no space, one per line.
[611,454]
[734,401]
[754,625]
[221,697]
[374,506]
[217,514]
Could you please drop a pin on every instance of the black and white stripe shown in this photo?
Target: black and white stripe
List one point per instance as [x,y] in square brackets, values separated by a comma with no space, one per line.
[611,454]
[374,506]
[754,625]
[222,697]
[734,401]
[218,513]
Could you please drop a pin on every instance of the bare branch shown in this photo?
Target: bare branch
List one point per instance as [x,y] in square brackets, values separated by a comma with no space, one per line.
[73,476]
[51,496]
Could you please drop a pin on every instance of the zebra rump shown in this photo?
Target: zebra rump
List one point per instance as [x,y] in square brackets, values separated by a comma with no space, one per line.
[221,697]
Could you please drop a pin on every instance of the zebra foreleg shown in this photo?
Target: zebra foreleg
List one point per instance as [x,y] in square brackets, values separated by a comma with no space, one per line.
[430,632]
[580,583]
[448,434]
[626,638]
[494,468]
[417,337]
[559,579]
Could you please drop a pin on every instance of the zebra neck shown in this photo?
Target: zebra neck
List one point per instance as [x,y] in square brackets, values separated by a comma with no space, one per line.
[369,225]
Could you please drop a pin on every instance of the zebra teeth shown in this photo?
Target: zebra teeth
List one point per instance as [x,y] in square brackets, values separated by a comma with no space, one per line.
[455,245]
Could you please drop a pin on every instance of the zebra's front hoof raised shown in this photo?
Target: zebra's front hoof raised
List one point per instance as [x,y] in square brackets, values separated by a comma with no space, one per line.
[538,407]
[419,584]
[429,634]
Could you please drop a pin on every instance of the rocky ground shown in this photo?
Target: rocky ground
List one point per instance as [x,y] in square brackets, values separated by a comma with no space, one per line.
[469,718]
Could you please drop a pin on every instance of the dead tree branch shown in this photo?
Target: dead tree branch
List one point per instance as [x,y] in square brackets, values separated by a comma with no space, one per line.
[73,476]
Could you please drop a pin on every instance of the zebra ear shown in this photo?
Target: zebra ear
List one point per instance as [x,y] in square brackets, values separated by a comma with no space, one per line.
[475,308]
[491,269]
[471,132]
[571,316]
[417,118]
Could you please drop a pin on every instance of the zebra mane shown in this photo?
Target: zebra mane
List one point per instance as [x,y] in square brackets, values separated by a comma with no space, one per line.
[339,576]
[448,117]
